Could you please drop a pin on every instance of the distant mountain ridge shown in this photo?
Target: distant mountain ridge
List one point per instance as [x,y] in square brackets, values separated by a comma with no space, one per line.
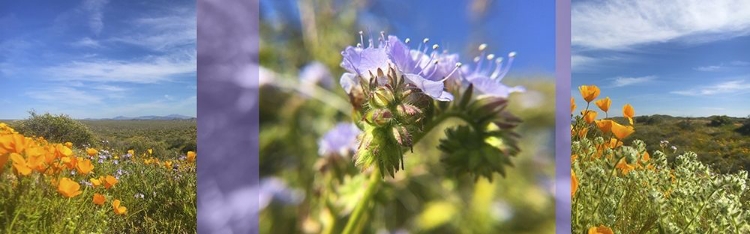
[148,117]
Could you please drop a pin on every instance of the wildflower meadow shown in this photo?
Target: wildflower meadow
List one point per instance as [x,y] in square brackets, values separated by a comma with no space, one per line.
[619,186]
[73,186]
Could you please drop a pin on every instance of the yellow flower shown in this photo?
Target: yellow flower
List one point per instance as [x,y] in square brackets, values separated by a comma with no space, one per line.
[91,152]
[150,151]
[68,188]
[85,166]
[19,163]
[119,209]
[168,164]
[600,230]
[621,131]
[572,105]
[131,152]
[109,181]
[589,116]
[99,199]
[96,182]
[604,104]
[69,144]
[191,156]
[589,92]
[628,112]
[624,166]
[574,182]
[582,133]
[604,125]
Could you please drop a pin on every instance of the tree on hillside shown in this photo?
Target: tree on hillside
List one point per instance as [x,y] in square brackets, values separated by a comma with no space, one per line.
[717,121]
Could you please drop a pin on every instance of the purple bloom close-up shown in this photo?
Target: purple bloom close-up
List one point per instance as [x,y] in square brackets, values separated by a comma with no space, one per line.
[316,73]
[341,140]
[487,80]
[275,189]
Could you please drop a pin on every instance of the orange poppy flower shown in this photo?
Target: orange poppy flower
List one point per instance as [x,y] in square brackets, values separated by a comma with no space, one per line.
[589,116]
[119,209]
[628,112]
[19,164]
[604,104]
[109,181]
[68,187]
[604,125]
[91,152]
[99,199]
[191,156]
[589,92]
[600,230]
[621,131]
[85,166]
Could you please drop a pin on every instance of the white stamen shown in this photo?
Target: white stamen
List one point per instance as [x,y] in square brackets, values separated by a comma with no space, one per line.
[496,72]
[512,54]
[407,41]
[458,65]
[435,47]
[490,56]
[361,38]
[476,59]
[482,47]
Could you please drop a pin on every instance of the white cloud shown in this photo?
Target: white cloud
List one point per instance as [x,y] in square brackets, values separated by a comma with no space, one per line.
[726,87]
[96,18]
[722,66]
[627,81]
[173,30]
[166,96]
[87,42]
[621,24]
[581,63]
[144,71]
[69,95]
[110,88]
[708,68]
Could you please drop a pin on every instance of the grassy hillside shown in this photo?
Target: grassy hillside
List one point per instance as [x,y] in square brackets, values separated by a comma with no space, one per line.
[721,142]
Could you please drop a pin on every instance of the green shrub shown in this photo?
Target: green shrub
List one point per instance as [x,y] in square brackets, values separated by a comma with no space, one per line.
[56,128]
[717,121]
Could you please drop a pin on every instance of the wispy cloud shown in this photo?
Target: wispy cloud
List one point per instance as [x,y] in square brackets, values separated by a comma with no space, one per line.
[581,63]
[145,71]
[726,87]
[72,96]
[628,81]
[173,30]
[96,17]
[621,24]
[722,66]
[708,68]
[87,42]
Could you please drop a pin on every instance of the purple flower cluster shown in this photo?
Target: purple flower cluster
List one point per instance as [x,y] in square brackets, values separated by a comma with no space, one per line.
[422,69]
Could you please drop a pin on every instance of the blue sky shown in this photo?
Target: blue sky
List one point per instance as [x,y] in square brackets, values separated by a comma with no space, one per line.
[521,26]
[97,58]
[688,59]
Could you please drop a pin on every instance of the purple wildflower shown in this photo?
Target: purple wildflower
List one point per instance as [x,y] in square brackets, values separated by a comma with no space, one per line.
[426,72]
[275,189]
[316,73]
[487,80]
[341,140]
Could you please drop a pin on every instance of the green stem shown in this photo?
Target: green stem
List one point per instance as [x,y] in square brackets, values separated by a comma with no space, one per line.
[375,180]
[360,208]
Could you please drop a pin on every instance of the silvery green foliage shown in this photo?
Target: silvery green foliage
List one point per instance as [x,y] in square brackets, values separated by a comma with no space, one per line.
[684,196]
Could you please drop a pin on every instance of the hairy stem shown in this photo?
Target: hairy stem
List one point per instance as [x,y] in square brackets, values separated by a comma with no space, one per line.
[360,208]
